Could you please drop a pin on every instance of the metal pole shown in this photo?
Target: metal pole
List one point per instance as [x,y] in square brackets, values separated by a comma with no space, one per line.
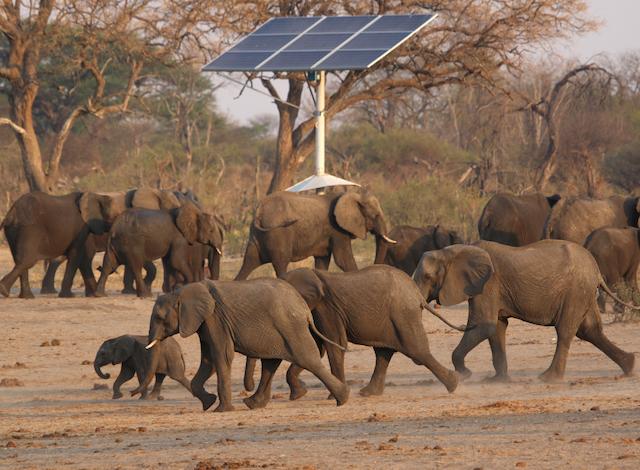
[320,127]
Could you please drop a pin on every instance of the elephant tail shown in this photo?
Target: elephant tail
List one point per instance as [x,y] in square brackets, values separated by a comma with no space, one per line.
[426,305]
[605,288]
[315,331]
[286,223]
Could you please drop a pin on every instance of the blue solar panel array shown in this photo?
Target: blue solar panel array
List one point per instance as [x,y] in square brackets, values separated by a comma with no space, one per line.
[319,43]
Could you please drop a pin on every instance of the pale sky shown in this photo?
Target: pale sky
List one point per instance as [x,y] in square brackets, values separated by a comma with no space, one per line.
[618,34]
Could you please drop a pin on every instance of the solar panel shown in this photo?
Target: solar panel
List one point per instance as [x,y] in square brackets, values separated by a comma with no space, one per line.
[319,43]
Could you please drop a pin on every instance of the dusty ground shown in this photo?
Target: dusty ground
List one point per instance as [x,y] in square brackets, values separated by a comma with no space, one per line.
[54,417]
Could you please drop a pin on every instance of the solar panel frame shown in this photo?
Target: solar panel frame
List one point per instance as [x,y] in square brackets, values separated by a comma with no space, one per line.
[290,43]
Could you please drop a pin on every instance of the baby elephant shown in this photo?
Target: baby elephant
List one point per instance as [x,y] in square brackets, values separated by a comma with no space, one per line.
[129,351]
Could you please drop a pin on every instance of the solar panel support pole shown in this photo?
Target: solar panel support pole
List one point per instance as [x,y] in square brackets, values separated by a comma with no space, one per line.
[320,123]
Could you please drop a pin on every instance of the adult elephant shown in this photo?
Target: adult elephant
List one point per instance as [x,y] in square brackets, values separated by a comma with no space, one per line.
[265,318]
[142,235]
[578,217]
[378,306]
[412,242]
[116,203]
[550,282]
[291,227]
[40,226]
[617,252]
[516,220]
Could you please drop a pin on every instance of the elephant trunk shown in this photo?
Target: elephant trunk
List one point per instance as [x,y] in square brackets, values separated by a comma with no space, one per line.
[97,367]
[383,241]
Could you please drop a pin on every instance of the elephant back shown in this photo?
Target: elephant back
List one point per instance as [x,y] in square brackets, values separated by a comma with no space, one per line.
[283,209]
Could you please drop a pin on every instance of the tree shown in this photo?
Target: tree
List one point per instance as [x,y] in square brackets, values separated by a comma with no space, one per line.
[93,41]
[471,41]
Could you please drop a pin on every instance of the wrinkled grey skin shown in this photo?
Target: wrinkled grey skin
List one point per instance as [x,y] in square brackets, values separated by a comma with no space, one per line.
[378,306]
[130,351]
[516,220]
[617,252]
[412,242]
[264,318]
[118,202]
[550,282]
[141,235]
[575,218]
[40,227]
[290,227]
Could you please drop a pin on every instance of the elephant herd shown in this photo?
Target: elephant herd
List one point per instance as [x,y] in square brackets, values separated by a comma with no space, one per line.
[539,259]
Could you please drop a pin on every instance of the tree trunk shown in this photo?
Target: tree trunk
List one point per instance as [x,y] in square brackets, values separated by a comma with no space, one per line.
[21,102]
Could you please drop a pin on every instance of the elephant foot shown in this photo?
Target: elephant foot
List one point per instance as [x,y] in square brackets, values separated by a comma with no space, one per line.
[297,392]
[550,376]
[116,395]
[66,294]
[342,395]
[451,382]
[27,295]
[156,396]
[627,364]
[253,402]
[463,373]
[498,378]
[48,290]
[222,408]
[3,290]
[145,294]
[128,290]
[144,396]
[99,293]
[371,391]
[207,401]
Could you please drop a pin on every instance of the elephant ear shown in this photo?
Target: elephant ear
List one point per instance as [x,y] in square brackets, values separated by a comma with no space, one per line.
[123,349]
[308,284]
[468,270]
[146,198]
[113,204]
[349,215]
[168,200]
[187,222]
[441,237]
[195,303]
[91,211]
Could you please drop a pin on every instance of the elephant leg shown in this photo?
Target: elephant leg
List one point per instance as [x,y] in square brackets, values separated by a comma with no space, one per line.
[376,383]
[167,278]
[591,330]
[470,340]
[206,370]
[499,351]
[8,280]
[555,372]
[249,369]
[338,389]
[127,281]
[25,286]
[250,262]
[109,265]
[73,262]
[86,270]
[48,281]
[336,362]
[151,271]
[136,268]
[602,301]
[263,393]
[280,267]
[297,387]
[155,392]
[223,357]
[322,262]
[125,375]
[343,256]
[180,378]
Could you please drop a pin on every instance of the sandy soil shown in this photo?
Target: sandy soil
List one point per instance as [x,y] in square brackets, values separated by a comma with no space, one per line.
[54,417]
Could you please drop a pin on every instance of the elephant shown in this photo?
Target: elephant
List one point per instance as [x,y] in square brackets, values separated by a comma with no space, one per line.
[578,217]
[130,351]
[516,220]
[118,202]
[378,306]
[140,235]
[412,242]
[617,252]
[291,227]
[40,226]
[550,282]
[264,318]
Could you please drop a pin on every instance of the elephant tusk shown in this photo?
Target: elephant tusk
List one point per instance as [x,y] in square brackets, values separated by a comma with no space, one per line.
[218,250]
[389,240]
[151,344]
